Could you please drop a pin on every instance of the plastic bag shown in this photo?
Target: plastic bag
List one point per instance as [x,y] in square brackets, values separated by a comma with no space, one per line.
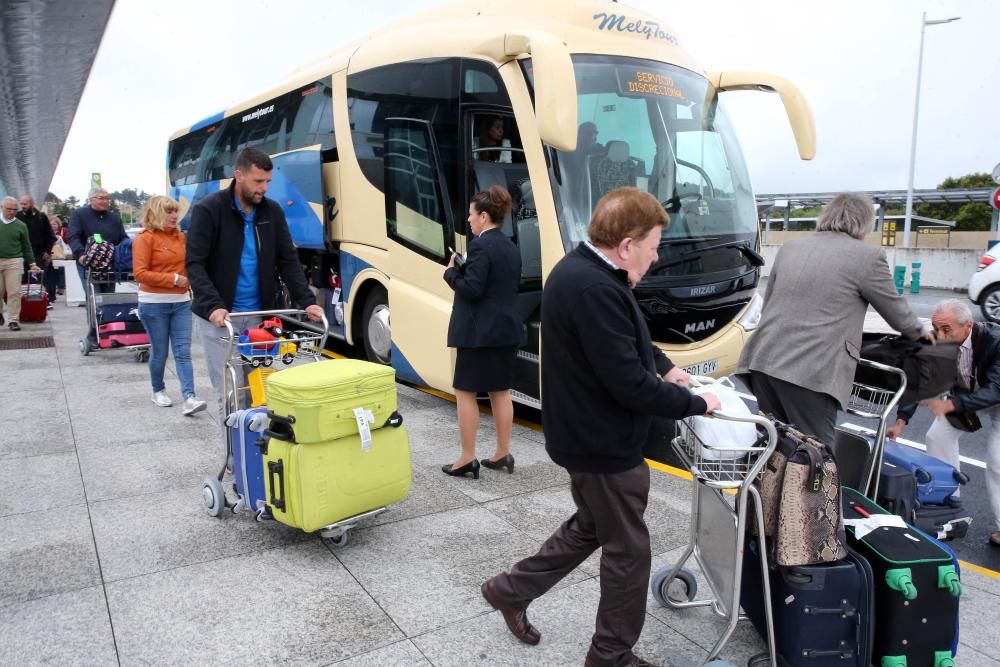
[724,439]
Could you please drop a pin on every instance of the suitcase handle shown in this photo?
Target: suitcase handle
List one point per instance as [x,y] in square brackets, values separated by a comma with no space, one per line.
[277,469]
[281,428]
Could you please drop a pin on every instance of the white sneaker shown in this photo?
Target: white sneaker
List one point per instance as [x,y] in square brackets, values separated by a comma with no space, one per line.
[193,404]
[161,399]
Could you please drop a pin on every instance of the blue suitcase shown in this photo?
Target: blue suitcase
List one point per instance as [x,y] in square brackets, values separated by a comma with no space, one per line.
[937,481]
[247,428]
[824,614]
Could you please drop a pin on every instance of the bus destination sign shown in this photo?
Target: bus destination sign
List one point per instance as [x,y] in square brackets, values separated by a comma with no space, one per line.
[648,84]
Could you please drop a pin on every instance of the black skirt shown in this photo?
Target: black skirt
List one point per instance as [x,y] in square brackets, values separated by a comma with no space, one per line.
[485,369]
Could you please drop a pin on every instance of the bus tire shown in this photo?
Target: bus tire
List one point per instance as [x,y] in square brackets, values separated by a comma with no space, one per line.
[376,334]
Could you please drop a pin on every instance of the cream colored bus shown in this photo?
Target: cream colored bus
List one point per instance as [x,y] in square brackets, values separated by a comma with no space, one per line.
[379,147]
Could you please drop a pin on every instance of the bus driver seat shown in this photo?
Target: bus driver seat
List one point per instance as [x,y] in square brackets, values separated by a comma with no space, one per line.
[614,170]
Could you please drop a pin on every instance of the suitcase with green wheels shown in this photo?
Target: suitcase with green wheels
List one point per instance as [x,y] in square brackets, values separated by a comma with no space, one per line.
[317,402]
[917,589]
[311,486]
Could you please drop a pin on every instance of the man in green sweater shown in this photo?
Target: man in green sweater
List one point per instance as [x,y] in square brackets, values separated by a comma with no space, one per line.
[15,254]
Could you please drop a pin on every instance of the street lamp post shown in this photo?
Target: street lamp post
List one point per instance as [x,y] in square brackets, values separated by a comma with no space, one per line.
[916,112]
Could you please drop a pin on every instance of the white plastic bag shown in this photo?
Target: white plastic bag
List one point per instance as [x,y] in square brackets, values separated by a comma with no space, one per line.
[723,439]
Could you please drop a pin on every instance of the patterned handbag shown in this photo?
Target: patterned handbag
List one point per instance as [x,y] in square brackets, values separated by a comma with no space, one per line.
[810,527]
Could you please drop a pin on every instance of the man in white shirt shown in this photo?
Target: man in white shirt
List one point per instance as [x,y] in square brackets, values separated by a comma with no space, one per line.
[979,370]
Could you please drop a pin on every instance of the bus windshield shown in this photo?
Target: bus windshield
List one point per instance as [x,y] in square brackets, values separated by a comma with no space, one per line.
[659,128]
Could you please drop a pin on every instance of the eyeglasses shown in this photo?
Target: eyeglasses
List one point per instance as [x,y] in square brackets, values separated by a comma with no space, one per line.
[101,198]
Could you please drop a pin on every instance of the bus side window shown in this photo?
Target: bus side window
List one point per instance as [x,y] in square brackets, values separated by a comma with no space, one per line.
[416,206]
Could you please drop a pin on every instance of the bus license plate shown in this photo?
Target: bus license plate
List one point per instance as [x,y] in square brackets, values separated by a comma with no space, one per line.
[703,368]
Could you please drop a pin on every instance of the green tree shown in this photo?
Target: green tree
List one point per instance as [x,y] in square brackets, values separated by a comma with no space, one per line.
[968,217]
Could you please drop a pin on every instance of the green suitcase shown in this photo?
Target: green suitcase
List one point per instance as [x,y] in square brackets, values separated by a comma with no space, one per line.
[316,402]
[315,485]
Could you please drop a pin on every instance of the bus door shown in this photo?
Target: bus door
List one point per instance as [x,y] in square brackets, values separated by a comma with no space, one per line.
[496,157]
[421,228]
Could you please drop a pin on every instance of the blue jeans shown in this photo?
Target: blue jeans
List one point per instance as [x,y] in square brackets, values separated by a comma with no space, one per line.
[169,326]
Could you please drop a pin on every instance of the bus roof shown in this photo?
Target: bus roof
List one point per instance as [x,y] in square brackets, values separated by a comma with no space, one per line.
[450,30]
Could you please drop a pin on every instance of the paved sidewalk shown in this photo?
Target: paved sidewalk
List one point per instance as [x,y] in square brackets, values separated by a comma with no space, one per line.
[109,557]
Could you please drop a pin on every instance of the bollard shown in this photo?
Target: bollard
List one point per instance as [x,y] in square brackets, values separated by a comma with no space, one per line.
[915,278]
[899,277]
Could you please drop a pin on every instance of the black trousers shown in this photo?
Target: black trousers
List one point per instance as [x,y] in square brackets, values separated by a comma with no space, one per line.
[812,412]
[609,515]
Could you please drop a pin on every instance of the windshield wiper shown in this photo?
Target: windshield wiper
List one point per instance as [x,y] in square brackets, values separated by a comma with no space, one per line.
[687,241]
[755,257]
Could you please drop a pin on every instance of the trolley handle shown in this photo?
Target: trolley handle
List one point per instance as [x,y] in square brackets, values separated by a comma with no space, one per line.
[270,313]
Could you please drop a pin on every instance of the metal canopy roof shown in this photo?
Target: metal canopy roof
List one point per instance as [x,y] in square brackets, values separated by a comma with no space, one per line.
[882,197]
[47,48]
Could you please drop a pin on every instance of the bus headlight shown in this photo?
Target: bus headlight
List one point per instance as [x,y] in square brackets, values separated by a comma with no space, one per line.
[751,316]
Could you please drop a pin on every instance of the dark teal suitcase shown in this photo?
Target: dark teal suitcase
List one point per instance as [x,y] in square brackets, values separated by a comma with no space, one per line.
[917,589]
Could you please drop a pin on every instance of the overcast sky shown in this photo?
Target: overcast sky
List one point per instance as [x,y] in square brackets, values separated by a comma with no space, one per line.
[163,66]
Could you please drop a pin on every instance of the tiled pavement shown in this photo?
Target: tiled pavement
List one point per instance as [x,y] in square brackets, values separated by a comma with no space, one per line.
[109,558]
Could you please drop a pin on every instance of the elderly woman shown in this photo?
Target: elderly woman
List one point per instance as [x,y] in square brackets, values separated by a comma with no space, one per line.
[486,330]
[158,254]
[800,361]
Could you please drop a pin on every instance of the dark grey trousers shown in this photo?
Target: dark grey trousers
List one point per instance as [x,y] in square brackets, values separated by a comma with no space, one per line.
[609,515]
[812,412]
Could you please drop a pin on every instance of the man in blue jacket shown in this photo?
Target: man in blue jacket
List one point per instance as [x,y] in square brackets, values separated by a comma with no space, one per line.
[979,369]
[85,222]
[603,381]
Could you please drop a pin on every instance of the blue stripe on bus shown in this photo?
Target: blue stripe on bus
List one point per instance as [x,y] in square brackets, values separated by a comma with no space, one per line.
[193,193]
[404,369]
[208,121]
[350,267]
[296,181]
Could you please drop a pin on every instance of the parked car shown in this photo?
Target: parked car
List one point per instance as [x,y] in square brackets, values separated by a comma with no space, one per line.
[984,287]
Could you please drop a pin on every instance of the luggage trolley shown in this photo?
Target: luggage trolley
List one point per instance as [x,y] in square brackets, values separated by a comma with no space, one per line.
[132,335]
[877,391]
[875,394]
[245,352]
[723,488]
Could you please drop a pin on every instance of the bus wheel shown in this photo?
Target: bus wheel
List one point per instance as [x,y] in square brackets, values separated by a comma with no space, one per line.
[377,334]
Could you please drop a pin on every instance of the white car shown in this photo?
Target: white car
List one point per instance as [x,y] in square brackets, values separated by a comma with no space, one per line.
[984,287]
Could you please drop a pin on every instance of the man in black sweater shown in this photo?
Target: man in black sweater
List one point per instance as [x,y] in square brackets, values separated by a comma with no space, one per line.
[603,381]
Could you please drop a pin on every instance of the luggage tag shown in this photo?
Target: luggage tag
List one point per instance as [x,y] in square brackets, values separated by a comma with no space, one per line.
[364,418]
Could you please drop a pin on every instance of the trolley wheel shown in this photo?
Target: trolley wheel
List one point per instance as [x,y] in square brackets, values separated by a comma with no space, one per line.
[760,660]
[287,359]
[261,515]
[340,540]
[682,588]
[255,363]
[84,347]
[214,496]
[142,356]
[267,362]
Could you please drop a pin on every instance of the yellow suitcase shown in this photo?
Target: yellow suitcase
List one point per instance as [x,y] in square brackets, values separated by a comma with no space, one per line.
[314,485]
[316,402]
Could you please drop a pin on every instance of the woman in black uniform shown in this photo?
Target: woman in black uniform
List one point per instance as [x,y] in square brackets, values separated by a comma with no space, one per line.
[486,329]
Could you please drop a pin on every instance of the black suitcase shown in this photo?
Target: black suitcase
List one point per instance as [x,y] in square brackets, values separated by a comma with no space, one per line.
[897,494]
[823,614]
[917,589]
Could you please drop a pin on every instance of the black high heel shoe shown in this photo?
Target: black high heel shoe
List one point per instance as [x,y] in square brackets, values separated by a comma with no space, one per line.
[472,466]
[506,462]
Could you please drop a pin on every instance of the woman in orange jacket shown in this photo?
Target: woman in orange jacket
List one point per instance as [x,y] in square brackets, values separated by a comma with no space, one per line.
[165,299]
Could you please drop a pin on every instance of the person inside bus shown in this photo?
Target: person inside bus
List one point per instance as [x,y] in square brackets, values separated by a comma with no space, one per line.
[817,295]
[165,299]
[485,329]
[603,381]
[491,135]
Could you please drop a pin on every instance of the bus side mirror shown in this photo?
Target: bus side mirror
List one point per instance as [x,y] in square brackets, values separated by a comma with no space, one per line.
[799,114]
[554,83]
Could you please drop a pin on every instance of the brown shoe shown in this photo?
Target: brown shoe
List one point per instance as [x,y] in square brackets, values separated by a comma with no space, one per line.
[995,539]
[516,619]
